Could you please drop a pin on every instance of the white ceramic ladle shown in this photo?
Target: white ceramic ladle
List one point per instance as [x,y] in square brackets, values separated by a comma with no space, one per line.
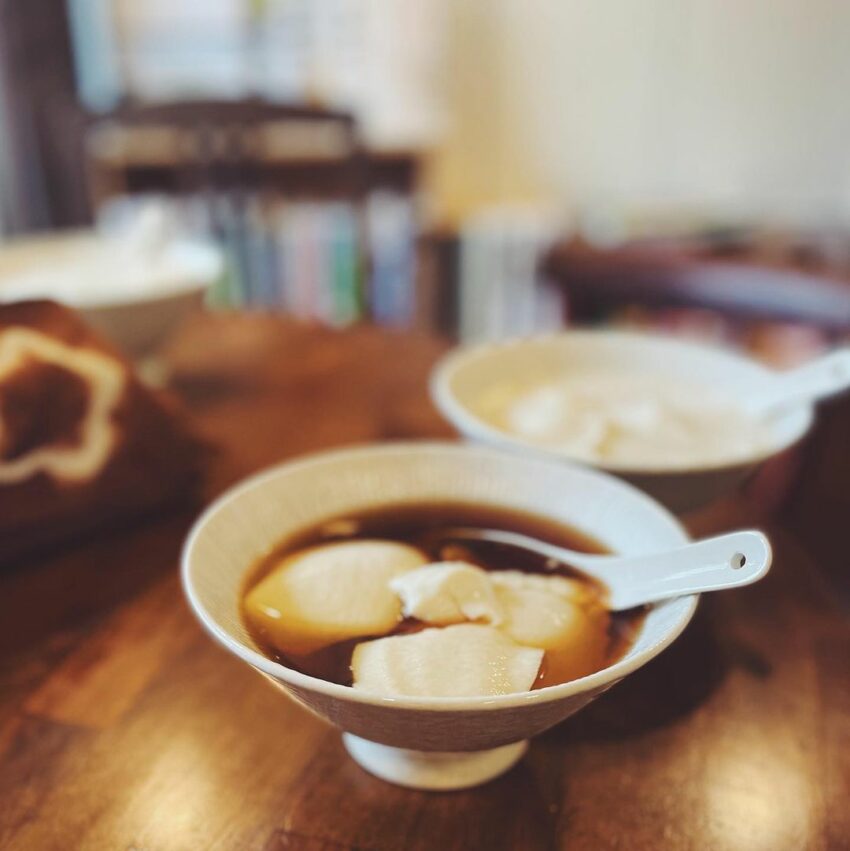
[713,564]
[823,377]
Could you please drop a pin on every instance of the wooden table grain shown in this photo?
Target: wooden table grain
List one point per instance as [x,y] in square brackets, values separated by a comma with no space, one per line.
[123,727]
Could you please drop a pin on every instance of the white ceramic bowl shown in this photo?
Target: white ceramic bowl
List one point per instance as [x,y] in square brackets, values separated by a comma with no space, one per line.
[134,299]
[423,742]
[458,379]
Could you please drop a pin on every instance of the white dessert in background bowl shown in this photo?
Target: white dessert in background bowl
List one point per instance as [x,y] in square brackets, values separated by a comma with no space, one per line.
[667,415]
[408,718]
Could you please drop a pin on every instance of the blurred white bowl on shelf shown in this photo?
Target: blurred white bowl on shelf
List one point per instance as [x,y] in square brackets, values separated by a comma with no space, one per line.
[462,377]
[134,286]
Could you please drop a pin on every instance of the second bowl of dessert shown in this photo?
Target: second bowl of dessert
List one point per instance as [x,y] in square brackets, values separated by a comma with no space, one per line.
[667,415]
[334,577]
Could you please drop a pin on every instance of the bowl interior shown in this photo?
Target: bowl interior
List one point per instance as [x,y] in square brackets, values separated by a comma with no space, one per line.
[460,379]
[247,522]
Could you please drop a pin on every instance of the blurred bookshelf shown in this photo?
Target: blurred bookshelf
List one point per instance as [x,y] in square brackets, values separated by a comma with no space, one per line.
[288,132]
[311,222]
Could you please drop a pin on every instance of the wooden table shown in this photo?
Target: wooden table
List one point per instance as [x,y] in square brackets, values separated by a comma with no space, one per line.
[122,726]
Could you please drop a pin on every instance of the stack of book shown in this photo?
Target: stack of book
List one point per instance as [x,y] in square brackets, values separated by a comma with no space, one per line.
[501,291]
[335,262]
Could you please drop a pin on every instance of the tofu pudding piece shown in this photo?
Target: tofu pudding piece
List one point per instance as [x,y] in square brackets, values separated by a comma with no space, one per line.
[383,602]
[632,420]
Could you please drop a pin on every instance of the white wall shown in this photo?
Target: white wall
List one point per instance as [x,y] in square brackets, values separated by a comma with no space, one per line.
[737,106]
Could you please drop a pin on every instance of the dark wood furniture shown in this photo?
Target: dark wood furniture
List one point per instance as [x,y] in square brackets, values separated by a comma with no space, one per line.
[122,726]
[750,282]
[214,146]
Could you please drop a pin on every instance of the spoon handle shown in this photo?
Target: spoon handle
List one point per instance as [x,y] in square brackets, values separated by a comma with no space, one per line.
[727,561]
[822,377]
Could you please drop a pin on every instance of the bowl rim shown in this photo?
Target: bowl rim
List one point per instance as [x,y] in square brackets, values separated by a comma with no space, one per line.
[600,679]
[186,283]
[459,415]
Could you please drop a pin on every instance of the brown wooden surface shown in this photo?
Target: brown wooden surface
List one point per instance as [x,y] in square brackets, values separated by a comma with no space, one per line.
[123,727]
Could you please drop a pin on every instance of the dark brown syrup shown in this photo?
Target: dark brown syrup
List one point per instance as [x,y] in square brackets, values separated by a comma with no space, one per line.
[421,525]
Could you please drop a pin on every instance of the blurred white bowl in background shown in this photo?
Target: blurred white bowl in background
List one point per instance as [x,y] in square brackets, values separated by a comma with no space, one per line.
[459,379]
[133,288]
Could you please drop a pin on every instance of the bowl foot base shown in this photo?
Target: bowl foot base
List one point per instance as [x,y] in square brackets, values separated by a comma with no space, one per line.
[432,769]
